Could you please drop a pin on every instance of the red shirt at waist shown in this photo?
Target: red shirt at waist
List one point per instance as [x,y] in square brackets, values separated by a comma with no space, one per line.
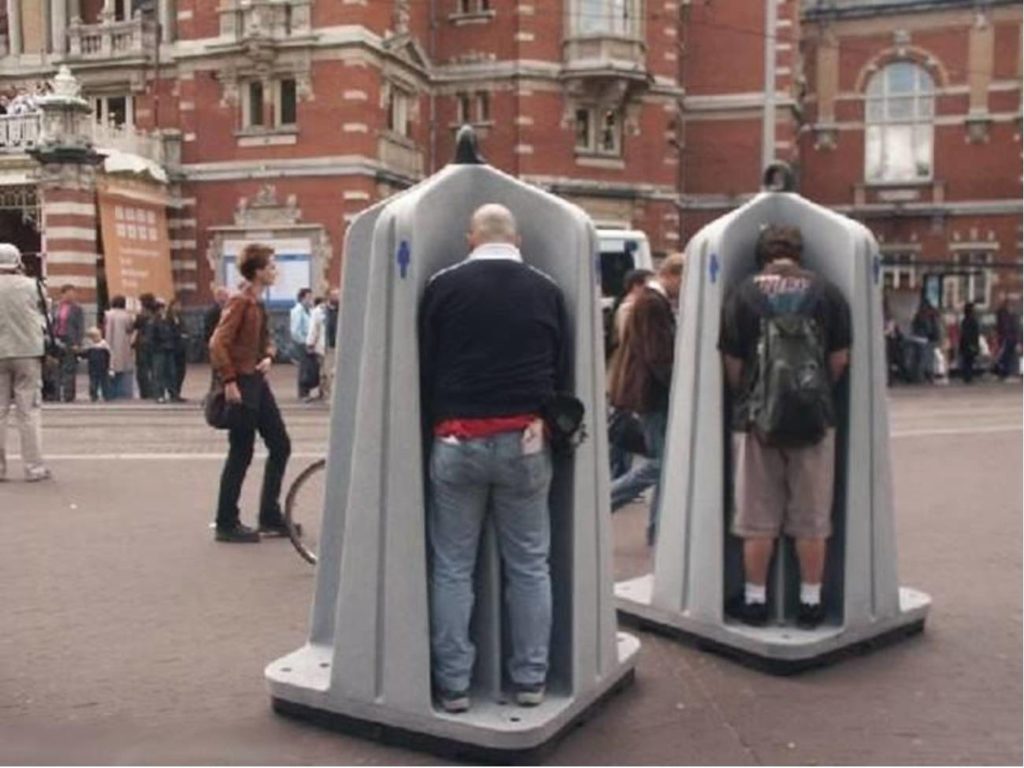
[467,429]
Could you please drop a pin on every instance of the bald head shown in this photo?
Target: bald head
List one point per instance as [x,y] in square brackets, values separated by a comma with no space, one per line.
[492,223]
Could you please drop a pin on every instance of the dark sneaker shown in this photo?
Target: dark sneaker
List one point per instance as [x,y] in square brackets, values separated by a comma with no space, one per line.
[239,534]
[453,701]
[810,616]
[277,530]
[751,614]
[529,695]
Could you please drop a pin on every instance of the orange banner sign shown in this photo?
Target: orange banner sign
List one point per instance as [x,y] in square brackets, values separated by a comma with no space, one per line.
[136,248]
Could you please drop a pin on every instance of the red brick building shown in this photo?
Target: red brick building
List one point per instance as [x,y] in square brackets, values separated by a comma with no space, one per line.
[282,119]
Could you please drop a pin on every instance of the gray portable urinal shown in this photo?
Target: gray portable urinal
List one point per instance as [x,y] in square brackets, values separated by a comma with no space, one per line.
[366,665]
[698,563]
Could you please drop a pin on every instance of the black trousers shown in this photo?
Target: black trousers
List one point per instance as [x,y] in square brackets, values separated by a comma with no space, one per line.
[165,375]
[261,415]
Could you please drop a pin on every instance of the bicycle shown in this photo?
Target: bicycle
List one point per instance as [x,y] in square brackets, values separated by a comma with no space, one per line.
[304,509]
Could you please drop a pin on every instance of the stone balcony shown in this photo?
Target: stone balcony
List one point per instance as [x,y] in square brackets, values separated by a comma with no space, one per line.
[400,155]
[20,133]
[594,64]
[110,40]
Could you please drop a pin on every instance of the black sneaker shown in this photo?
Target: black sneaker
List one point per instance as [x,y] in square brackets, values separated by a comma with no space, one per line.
[278,530]
[453,702]
[751,614]
[810,616]
[529,695]
[238,534]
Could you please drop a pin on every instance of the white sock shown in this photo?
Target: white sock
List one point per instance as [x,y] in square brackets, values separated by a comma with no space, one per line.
[810,594]
[755,593]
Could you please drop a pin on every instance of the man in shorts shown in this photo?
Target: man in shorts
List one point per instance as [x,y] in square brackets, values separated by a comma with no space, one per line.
[782,485]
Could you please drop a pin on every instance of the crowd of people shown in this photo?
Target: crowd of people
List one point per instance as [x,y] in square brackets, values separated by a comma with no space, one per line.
[933,349]
[148,345]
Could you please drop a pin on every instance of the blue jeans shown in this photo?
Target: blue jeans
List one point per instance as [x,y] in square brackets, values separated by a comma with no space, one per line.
[468,479]
[645,471]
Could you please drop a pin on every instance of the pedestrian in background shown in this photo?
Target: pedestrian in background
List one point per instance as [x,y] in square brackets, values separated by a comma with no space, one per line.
[970,342]
[22,320]
[142,342]
[69,328]
[117,329]
[1007,339]
[97,356]
[212,315]
[299,320]
[640,380]
[177,323]
[241,353]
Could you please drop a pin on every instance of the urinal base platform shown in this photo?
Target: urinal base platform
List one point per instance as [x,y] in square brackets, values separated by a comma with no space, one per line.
[447,748]
[777,650]
[494,730]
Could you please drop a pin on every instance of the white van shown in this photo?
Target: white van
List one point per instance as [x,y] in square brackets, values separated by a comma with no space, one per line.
[621,251]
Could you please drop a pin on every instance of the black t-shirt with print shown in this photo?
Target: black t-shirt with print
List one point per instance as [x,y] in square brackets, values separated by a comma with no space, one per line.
[780,288]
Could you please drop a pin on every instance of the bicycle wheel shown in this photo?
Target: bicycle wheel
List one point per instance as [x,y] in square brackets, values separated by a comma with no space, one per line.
[304,509]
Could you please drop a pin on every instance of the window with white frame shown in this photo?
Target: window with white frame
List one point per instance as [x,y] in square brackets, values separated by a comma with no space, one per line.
[282,99]
[975,282]
[114,110]
[899,114]
[899,270]
[399,111]
[608,17]
[254,114]
[472,107]
[599,131]
[473,6]
[286,103]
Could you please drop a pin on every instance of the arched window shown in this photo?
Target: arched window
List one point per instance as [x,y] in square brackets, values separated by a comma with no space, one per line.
[899,113]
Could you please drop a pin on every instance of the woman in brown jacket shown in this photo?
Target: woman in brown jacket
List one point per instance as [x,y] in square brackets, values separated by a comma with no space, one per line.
[241,353]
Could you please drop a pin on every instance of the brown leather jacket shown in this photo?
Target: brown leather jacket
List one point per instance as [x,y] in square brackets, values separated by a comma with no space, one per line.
[241,338]
[641,372]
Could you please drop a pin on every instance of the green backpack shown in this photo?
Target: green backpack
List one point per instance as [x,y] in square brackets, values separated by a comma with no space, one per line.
[791,401]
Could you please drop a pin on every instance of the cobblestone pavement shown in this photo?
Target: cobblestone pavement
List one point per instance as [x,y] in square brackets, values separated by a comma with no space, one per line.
[129,636]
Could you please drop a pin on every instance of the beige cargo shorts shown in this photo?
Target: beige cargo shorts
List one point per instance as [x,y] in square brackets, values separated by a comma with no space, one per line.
[788,489]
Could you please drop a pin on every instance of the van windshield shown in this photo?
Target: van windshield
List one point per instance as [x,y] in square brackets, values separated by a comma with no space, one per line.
[615,263]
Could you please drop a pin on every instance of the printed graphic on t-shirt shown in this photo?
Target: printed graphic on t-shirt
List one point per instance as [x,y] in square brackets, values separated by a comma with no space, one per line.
[785,293]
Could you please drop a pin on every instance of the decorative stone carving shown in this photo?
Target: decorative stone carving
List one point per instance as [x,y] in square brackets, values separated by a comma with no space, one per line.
[263,210]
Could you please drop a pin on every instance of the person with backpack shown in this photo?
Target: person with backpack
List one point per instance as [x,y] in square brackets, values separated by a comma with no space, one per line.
[785,341]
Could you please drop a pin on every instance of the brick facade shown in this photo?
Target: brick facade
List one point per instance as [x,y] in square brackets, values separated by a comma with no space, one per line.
[380,86]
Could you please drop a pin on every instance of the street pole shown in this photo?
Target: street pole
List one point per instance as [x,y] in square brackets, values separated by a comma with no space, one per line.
[768,130]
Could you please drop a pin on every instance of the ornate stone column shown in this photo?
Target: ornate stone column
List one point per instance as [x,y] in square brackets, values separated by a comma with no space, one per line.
[67,188]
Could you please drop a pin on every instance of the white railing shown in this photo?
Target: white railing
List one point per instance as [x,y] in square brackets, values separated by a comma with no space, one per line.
[110,39]
[128,140]
[19,133]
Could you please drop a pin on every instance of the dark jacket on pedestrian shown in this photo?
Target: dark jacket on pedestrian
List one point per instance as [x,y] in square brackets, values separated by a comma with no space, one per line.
[641,372]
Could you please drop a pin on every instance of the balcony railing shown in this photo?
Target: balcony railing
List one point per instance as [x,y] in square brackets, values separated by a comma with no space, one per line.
[110,40]
[128,140]
[19,133]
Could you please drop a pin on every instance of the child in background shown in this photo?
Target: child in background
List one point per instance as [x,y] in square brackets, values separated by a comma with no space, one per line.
[97,353]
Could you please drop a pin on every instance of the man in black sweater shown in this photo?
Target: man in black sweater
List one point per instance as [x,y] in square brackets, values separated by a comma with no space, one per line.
[494,346]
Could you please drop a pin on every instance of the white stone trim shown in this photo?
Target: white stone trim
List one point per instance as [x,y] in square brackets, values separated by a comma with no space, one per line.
[69,209]
[78,281]
[71,233]
[71,257]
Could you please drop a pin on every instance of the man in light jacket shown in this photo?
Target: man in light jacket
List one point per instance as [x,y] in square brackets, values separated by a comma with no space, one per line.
[21,351]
